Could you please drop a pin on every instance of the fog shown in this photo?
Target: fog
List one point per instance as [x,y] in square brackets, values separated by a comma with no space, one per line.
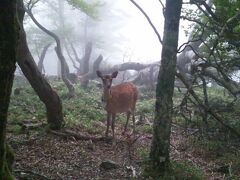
[120,32]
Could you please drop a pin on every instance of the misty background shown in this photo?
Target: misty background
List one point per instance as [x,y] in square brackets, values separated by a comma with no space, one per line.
[118,31]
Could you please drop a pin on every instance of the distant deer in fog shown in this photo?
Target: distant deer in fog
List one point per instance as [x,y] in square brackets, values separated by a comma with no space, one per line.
[118,99]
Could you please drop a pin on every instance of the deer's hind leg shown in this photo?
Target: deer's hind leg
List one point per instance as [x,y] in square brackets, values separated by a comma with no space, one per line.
[133,119]
[125,127]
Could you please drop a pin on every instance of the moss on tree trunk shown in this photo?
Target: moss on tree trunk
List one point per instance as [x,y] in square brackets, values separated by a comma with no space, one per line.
[8,43]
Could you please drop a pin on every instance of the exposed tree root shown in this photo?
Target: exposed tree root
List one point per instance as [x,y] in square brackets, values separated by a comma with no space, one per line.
[40,176]
[78,136]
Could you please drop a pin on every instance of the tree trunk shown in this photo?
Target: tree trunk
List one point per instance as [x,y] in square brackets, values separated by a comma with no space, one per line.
[84,66]
[84,63]
[74,61]
[91,75]
[159,154]
[43,54]
[64,72]
[8,44]
[39,84]
[120,67]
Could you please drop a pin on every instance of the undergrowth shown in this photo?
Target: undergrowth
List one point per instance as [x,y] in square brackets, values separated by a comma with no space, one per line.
[86,112]
[176,171]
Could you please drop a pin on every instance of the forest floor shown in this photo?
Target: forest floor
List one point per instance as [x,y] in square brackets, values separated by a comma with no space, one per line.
[41,155]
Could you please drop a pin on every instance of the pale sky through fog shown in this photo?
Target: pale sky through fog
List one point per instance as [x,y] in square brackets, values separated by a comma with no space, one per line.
[142,41]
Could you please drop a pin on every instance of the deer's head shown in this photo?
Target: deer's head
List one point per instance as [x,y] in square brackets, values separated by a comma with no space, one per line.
[107,79]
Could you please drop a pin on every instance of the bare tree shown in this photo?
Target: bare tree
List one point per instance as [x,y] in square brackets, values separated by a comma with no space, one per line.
[58,49]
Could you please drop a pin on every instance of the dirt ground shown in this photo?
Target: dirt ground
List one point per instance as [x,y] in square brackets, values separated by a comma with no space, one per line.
[41,155]
[48,156]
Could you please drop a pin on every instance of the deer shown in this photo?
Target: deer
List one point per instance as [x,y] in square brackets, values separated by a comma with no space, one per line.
[121,98]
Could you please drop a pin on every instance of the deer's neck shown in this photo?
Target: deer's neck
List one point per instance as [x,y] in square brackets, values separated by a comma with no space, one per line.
[107,95]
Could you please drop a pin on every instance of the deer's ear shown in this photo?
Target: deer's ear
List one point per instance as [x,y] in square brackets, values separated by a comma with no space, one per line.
[99,74]
[114,74]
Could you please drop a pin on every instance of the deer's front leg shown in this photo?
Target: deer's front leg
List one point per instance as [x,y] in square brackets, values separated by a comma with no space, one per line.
[108,123]
[113,124]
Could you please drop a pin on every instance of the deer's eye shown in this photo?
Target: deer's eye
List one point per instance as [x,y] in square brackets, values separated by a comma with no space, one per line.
[105,81]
